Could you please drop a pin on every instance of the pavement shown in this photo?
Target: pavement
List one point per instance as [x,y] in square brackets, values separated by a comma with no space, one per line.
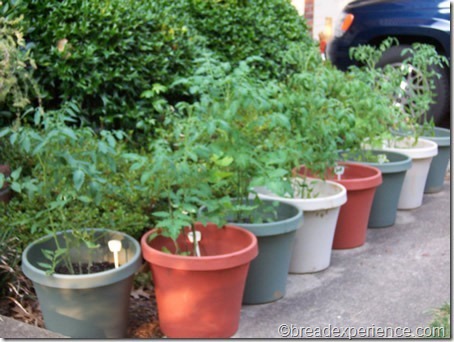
[391,285]
[394,281]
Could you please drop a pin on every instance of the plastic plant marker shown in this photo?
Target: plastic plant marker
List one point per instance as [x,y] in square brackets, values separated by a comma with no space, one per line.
[115,247]
[382,158]
[339,171]
[198,237]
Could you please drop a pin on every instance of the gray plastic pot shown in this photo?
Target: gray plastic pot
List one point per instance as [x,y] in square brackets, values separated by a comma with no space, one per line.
[384,206]
[87,305]
[439,164]
[267,275]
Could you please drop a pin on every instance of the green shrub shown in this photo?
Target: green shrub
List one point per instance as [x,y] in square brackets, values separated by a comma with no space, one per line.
[104,54]
[119,60]
[17,86]
[238,29]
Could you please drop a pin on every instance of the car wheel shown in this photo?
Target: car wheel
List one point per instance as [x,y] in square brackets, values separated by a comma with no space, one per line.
[415,82]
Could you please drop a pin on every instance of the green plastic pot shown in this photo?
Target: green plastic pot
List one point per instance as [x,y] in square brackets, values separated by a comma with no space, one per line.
[439,164]
[384,206]
[87,305]
[267,276]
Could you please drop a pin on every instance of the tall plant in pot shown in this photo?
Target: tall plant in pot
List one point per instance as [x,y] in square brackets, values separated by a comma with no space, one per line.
[334,103]
[246,131]
[199,267]
[420,71]
[227,126]
[314,138]
[411,97]
[375,117]
[81,280]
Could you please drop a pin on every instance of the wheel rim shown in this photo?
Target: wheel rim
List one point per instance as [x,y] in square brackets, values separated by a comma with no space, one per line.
[413,87]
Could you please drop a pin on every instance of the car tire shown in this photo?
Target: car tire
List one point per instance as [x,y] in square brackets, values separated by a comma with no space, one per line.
[440,108]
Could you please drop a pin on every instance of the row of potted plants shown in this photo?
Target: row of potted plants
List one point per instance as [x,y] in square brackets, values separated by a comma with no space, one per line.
[226,185]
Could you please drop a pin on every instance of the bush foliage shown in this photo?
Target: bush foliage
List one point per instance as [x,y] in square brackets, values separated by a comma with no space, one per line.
[119,59]
[238,29]
[104,55]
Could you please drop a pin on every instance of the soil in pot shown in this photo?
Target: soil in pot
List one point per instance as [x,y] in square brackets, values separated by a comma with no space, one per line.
[85,268]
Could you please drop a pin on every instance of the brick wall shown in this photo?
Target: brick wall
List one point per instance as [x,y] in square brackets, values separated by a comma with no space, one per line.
[309,13]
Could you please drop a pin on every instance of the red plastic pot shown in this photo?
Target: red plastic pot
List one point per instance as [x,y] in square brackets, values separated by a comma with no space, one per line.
[200,297]
[361,181]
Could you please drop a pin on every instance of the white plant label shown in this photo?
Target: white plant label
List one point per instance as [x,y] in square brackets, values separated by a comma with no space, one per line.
[339,171]
[382,158]
[198,237]
[115,247]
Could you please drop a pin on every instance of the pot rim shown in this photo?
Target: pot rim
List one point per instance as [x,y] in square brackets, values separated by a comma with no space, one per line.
[442,136]
[202,263]
[312,204]
[82,281]
[401,165]
[424,148]
[371,181]
[275,227]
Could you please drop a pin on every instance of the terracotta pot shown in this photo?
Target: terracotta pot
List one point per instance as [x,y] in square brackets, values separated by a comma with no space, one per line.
[200,297]
[361,182]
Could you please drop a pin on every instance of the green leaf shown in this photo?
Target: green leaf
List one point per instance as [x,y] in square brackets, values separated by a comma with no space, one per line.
[59,252]
[48,254]
[162,214]
[145,176]
[69,133]
[45,266]
[91,244]
[78,179]
[4,132]
[16,187]
[16,173]
[85,199]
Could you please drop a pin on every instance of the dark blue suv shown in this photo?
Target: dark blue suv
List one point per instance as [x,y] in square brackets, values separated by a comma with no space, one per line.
[410,21]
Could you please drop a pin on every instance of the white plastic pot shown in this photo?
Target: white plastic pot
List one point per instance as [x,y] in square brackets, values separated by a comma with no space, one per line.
[314,238]
[411,196]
